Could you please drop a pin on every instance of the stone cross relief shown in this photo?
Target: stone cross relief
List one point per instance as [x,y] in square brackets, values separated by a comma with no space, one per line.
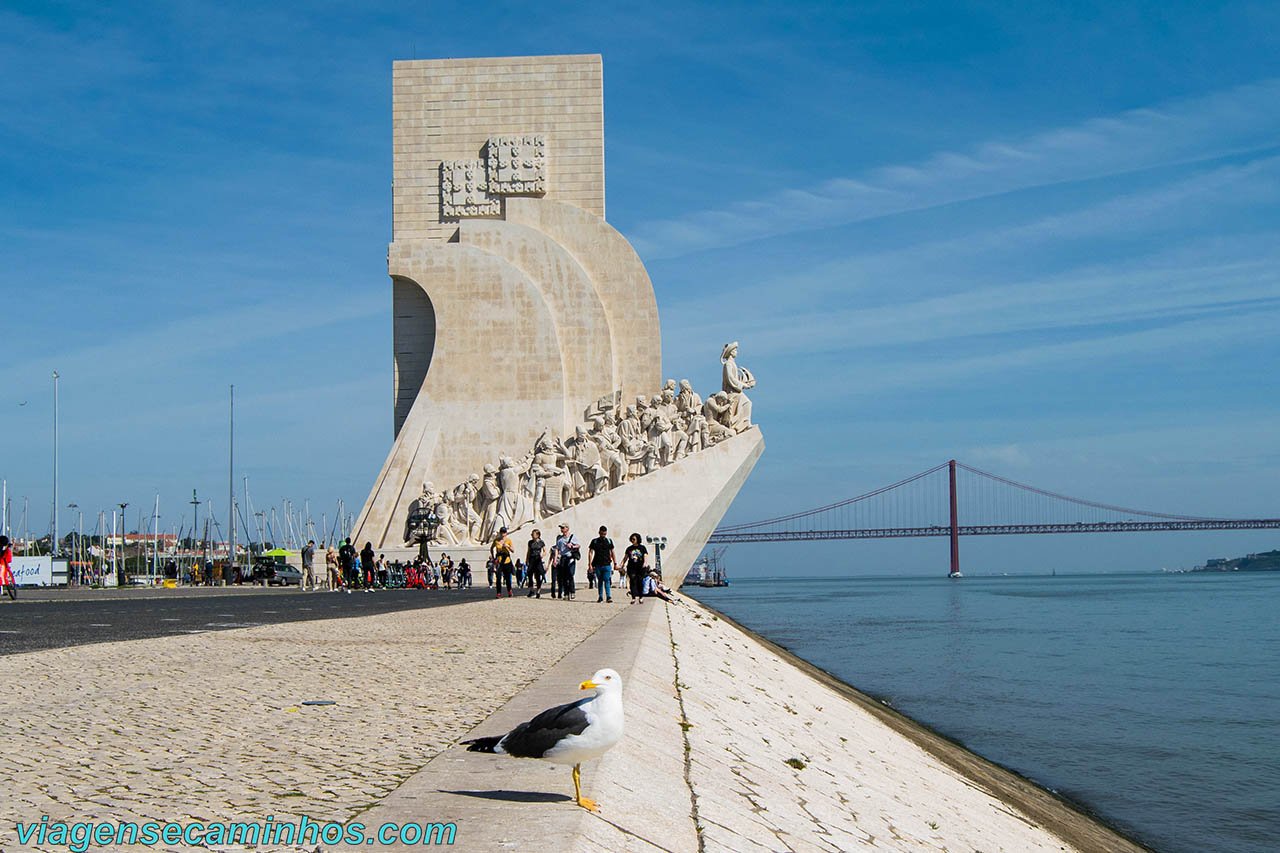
[509,165]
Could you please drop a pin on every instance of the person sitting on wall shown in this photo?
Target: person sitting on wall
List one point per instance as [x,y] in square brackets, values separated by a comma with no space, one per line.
[653,587]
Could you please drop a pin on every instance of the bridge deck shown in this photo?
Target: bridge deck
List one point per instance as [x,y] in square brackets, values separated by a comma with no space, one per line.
[995,530]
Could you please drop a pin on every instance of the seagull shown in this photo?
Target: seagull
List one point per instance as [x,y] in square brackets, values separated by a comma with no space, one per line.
[567,734]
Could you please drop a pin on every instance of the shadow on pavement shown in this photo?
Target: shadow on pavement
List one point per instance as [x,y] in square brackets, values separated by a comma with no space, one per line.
[514,796]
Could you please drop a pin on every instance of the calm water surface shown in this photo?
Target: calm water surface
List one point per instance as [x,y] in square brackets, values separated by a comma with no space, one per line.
[1152,699]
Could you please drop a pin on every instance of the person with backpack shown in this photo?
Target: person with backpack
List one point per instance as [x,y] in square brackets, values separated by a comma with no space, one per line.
[603,562]
[347,561]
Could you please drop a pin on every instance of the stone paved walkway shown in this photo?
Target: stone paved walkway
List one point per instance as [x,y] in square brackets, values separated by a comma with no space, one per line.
[210,726]
[779,761]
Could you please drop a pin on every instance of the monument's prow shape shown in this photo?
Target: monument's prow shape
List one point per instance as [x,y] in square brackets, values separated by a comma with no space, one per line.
[520,314]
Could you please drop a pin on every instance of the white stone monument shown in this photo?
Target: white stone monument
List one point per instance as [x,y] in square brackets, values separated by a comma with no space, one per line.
[524,323]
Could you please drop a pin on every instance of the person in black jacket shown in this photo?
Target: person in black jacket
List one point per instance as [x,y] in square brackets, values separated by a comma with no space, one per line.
[368,567]
[634,558]
[347,560]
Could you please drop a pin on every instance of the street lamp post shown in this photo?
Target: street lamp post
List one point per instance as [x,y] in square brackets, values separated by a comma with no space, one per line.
[424,523]
[659,543]
[53,545]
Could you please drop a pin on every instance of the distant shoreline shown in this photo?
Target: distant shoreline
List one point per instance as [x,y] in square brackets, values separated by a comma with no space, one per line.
[1073,822]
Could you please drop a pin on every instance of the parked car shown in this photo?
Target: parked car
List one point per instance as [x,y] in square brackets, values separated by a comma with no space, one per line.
[285,576]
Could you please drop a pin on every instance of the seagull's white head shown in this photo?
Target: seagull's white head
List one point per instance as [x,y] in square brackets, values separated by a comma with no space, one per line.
[604,681]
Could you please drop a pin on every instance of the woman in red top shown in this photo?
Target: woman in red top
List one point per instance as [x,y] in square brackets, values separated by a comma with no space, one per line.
[6,568]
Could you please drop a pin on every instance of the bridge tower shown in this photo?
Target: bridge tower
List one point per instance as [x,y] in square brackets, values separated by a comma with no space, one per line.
[955,523]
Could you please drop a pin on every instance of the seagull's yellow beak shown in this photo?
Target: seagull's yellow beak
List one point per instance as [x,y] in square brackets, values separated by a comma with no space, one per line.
[588,685]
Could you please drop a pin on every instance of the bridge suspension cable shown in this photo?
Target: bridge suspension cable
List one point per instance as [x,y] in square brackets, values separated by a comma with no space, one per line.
[987,504]
[1080,501]
[837,505]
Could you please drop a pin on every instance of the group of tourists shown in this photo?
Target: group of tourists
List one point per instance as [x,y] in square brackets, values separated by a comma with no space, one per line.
[552,565]
[349,570]
[559,566]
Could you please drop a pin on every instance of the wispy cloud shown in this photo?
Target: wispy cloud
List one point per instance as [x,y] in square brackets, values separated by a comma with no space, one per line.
[1237,120]
[959,287]
[904,372]
[189,339]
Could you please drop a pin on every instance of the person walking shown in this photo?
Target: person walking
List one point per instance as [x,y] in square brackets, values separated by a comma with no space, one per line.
[308,565]
[332,579]
[633,560]
[347,562]
[565,556]
[464,574]
[500,558]
[368,568]
[533,567]
[7,580]
[603,562]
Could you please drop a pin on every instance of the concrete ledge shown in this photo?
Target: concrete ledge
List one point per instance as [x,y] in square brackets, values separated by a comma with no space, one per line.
[503,803]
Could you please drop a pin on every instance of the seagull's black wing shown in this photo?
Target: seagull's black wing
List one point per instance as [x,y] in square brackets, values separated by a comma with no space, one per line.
[534,738]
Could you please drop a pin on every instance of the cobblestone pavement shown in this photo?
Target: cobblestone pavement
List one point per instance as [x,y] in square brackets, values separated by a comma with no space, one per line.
[210,726]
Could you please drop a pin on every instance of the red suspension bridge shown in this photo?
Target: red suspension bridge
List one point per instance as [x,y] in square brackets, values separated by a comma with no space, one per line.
[930,504]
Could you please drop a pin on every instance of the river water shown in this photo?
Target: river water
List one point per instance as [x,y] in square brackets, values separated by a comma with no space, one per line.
[1152,699]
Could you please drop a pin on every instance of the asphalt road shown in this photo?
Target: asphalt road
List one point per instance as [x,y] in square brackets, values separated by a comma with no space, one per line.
[46,620]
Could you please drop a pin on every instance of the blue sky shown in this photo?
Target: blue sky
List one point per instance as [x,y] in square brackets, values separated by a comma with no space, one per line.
[1040,238]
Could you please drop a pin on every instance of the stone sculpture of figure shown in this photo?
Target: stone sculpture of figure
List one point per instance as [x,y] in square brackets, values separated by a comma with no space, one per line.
[668,403]
[612,458]
[447,531]
[669,385]
[660,439]
[688,400]
[487,502]
[469,498]
[548,476]
[718,411]
[679,438]
[633,441]
[736,381]
[460,513]
[696,428]
[589,475]
[510,500]
[424,501]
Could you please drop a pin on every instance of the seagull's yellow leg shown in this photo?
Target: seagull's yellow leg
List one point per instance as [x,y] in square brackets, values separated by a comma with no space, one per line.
[586,803]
